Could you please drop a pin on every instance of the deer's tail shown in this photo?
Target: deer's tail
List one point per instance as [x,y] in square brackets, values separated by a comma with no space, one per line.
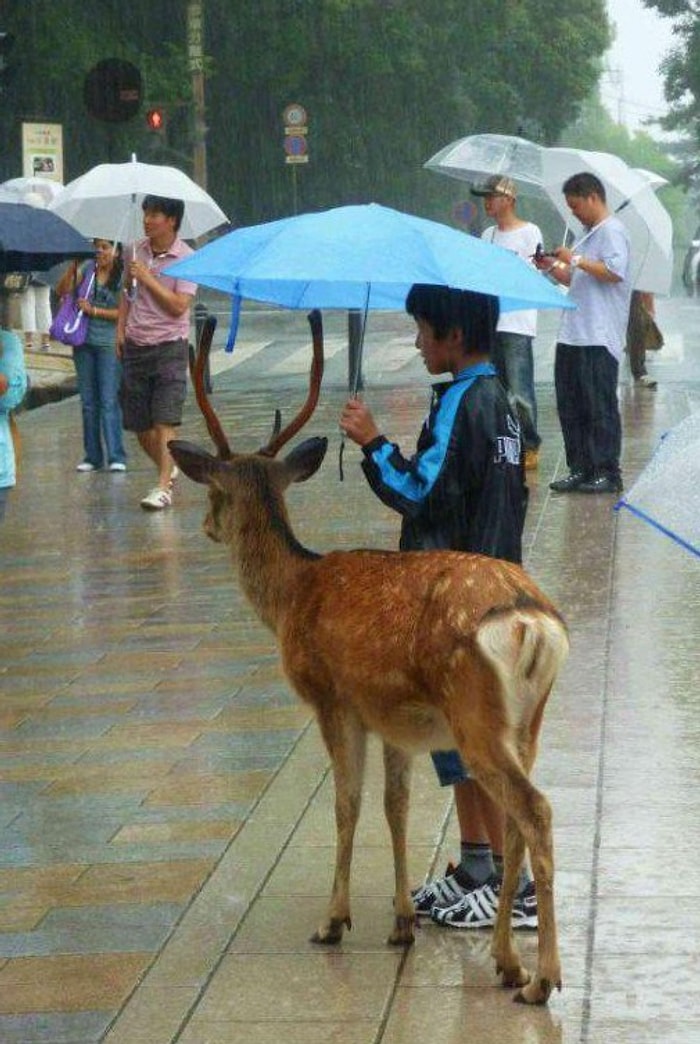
[526,648]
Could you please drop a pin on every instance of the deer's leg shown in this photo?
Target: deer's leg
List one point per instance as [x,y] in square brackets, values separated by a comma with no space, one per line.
[537,831]
[531,818]
[397,781]
[503,948]
[346,741]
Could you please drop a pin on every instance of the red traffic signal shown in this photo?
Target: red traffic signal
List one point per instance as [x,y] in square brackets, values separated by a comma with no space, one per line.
[155,118]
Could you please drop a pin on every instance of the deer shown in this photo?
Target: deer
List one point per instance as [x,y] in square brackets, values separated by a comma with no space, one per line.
[427,649]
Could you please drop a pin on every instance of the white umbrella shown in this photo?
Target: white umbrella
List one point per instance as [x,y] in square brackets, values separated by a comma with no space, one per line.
[631,198]
[655,180]
[541,172]
[105,203]
[25,190]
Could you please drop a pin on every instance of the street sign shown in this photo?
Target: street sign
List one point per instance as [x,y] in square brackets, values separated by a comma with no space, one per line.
[296,149]
[42,150]
[295,115]
[296,146]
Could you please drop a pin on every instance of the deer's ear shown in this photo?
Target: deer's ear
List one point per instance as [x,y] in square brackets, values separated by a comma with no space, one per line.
[197,463]
[305,459]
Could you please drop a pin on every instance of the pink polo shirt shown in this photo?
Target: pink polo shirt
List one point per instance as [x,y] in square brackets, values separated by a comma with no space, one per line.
[147,323]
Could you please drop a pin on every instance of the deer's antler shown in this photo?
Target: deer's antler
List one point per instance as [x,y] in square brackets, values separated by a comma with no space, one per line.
[280,438]
[197,371]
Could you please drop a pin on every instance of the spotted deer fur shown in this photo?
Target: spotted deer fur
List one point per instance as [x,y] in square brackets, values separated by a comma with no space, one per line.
[430,650]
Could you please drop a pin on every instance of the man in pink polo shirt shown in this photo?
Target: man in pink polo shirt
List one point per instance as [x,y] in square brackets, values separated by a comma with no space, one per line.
[152,340]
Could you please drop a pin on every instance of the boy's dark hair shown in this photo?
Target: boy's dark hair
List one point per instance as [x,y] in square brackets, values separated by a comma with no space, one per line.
[476,315]
[174,208]
[584,184]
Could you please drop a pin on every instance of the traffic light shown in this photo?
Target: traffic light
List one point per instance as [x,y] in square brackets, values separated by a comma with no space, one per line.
[155,118]
[7,41]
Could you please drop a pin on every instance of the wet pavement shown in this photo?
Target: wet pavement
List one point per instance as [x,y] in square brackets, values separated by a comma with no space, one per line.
[165,803]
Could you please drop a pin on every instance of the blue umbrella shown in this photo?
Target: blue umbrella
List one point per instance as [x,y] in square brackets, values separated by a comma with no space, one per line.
[361,257]
[33,239]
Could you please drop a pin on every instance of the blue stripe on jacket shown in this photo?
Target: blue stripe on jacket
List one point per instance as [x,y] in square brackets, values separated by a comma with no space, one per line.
[417,483]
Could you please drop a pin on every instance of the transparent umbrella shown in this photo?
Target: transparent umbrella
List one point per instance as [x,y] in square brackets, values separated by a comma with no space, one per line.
[666,494]
[541,172]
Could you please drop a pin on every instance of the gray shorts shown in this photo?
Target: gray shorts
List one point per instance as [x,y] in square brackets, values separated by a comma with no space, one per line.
[154,383]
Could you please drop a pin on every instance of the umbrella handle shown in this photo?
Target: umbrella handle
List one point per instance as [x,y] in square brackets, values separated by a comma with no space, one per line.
[133,280]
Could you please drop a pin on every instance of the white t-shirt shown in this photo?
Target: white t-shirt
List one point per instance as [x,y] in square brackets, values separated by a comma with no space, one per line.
[600,317]
[522,240]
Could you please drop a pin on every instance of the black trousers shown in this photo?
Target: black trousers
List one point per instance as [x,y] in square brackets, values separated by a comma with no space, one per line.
[585,380]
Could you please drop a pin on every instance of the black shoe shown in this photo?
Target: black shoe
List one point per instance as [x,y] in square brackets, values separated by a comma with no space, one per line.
[601,484]
[570,484]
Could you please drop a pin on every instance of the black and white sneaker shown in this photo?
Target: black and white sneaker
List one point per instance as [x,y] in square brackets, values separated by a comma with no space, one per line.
[524,913]
[442,892]
[478,908]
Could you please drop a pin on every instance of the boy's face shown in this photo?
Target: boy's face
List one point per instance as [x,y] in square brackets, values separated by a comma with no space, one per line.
[439,353]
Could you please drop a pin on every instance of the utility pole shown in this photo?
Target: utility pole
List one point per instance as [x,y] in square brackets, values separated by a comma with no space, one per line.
[617,82]
[195,62]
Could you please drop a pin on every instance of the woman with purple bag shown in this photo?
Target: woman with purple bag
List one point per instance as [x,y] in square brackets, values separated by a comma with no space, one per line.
[96,362]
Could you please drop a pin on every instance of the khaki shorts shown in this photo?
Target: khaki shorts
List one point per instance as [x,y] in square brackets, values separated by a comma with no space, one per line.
[154,383]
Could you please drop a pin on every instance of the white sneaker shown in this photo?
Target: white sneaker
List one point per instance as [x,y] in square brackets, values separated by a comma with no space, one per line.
[646,381]
[85,465]
[157,499]
[117,465]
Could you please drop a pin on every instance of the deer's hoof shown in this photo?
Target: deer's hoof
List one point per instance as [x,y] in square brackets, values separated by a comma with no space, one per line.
[402,934]
[332,933]
[536,992]
[515,976]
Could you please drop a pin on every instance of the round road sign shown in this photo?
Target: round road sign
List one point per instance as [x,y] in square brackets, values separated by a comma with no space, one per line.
[294,115]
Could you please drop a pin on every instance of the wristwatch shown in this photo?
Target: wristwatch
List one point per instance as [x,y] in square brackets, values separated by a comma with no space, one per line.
[576,260]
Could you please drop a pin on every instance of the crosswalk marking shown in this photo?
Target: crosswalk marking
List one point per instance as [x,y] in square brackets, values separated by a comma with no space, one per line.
[299,360]
[220,360]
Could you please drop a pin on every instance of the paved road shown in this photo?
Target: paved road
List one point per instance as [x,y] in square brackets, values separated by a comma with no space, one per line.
[274,344]
[165,802]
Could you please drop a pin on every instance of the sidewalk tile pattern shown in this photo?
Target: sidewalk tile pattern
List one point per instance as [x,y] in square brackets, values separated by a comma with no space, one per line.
[166,810]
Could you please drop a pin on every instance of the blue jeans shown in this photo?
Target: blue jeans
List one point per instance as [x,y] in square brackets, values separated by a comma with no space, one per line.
[512,357]
[99,377]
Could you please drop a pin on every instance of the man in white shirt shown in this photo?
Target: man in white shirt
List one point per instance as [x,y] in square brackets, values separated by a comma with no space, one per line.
[591,340]
[516,331]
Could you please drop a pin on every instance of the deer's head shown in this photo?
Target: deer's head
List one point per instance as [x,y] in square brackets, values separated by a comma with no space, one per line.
[232,476]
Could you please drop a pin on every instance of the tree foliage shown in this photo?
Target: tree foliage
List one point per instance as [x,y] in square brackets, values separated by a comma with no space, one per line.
[386,83]
[595,130]
[681,69]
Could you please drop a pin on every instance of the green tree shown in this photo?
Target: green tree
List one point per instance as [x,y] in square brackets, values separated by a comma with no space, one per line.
[386,84]
[595,130]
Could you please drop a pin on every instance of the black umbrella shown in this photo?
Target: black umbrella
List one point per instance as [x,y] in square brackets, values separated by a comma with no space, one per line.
[33,239]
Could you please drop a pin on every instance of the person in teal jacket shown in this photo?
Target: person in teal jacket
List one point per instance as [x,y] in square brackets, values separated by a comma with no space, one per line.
[13,387]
